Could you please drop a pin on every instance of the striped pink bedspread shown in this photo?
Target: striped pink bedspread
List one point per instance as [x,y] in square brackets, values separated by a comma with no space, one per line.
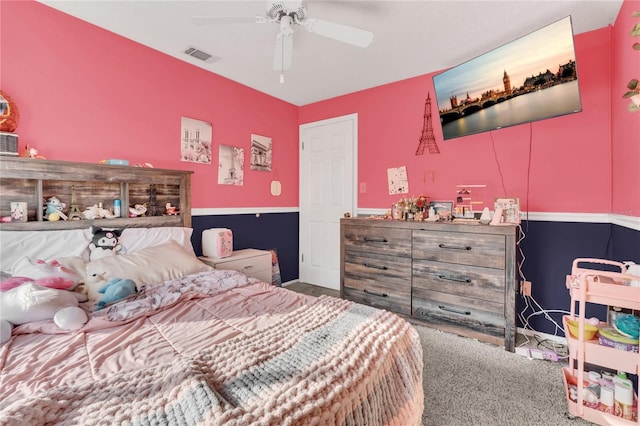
[211,349]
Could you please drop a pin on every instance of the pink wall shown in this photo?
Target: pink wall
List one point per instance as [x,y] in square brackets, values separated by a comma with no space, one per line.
[625,129]
[85,94]
[570,167]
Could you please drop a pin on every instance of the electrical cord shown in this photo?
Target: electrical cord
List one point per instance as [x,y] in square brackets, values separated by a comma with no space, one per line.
[495,155]
[529,171]
[560,349]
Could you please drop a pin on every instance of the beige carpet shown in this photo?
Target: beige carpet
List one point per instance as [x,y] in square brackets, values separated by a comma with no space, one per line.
[467,382]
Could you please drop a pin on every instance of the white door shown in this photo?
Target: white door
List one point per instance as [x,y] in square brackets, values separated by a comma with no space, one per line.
[327,191]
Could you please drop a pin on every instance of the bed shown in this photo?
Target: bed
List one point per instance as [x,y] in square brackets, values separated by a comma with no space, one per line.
[196,345]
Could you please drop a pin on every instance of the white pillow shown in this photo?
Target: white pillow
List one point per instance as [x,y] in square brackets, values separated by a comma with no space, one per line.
[54,245]
[134,239]
[151,265]
[45,245]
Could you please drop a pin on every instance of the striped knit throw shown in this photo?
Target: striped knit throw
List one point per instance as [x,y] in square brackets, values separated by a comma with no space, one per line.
[332,362]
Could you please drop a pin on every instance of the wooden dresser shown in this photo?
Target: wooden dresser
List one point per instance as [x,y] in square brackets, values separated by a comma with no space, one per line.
[457,277]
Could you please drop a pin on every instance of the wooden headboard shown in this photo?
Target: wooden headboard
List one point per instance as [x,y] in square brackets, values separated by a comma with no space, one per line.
[33,181]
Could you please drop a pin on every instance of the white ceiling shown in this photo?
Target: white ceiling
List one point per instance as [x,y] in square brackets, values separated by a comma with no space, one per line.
[411,37]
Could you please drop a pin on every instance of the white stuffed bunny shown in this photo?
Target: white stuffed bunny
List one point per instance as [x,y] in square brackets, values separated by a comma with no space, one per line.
[40,291]
[30,302]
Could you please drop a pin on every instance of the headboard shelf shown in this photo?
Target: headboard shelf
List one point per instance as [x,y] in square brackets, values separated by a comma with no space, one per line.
[138,222]
[32,181]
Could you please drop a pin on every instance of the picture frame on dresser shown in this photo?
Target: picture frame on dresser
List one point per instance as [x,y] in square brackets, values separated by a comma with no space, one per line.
[442,208]
[510,207]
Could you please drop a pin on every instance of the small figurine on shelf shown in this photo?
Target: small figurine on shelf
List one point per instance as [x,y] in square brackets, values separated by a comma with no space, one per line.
[53,209]
[74,210]
[137,210]
[31,153]
[152,205]
[171,210]
[98,212]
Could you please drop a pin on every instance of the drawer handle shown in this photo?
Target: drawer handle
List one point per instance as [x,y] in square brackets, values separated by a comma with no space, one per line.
[376,240]
[444,246]
[244,268]
[459,280]
[384,268]
[373,293]
[455,311]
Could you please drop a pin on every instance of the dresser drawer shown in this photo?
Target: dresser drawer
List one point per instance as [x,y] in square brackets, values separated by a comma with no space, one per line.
[462,280]
[371,239]
[459,312]
[378,280]
[463,248]
[251,262]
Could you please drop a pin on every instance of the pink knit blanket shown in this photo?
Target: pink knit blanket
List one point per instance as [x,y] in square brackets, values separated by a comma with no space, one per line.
[331,362]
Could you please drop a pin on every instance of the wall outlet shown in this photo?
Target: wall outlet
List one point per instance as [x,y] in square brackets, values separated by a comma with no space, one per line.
[525,288]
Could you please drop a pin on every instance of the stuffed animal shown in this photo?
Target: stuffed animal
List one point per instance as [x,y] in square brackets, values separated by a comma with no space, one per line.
[97,212]
[115,290]
[29,152]
[28,299]
[54,209]
[25,267]
[105,292]
[58,283]
[30,302]
[104,243]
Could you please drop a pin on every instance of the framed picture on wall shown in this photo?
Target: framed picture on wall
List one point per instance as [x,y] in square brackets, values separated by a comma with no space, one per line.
[195,144]
[231,166]
[261,152]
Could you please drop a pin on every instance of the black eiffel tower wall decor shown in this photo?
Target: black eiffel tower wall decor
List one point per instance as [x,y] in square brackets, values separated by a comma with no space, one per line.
[427,139]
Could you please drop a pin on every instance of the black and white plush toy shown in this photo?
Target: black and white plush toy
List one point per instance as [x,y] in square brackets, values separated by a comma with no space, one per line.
[104,243]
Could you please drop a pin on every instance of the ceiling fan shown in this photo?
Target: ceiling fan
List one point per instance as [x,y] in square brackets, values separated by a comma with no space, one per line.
[287,14]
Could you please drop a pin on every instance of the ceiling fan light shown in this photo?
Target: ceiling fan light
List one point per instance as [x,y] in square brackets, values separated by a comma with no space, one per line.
[285,25]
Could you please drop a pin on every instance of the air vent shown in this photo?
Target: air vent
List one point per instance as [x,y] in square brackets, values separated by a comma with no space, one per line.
[199,54]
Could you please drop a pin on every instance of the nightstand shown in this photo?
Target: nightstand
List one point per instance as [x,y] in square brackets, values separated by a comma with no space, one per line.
[252,262]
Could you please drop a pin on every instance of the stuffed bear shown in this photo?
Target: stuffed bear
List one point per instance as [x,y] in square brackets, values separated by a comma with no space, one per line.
[104,243]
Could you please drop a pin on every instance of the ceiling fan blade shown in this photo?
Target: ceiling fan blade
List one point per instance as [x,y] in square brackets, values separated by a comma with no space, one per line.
[283,52]
[209,20]
[344,33]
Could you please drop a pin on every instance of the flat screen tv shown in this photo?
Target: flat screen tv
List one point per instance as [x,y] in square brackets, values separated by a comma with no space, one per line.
[528,79]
